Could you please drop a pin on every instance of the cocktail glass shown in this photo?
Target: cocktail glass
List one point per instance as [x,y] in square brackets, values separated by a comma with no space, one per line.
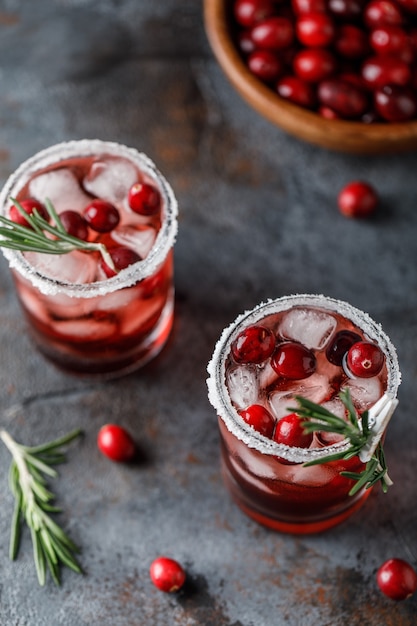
[268,479]
[86,323]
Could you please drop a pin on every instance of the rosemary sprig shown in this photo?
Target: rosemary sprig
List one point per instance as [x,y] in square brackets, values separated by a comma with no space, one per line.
[355,430]
[51,545]
[35,239]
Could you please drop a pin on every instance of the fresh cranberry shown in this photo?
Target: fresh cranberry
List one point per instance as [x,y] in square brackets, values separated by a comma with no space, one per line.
[265,64]
[351,42]
[315,29]
[289,431]
[340,344]
[389,40]
[344,98]
[346,9]
[379,71]
[260,419]
[294,361]
[297,91]
[167,575]
[365,359]
[397,579]
[144,199]
[396,104]
[382,13]
[74,224]
[101,216]
[309,6]
[248,12]
[328,113]
[29,205]
[122,257]
[357,199]
[410,6]
[273,33]
[255,344]
[116,443]
[314,64]
[245,43]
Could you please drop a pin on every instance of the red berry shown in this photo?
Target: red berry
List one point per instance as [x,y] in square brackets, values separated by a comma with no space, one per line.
[397,579]
[265,64]
[396,104]
[144,199]
[309,6]
[122,258]
[365,359]
[315,29]
[74,224]
[167,574]
[297,91]
[248,12]
[357,199]
[259,419]
[101,216]
[255,344]
[314,64]
[382,12]
[351,42]
[29,205]
[379,71]
[340,344]
[344,98]
[294,361]
[389,40]
[116,443]
[346,9]
[289,430]
[409,6]
[274,33]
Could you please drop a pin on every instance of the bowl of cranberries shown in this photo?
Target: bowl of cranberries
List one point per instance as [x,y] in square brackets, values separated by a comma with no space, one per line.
[341,74]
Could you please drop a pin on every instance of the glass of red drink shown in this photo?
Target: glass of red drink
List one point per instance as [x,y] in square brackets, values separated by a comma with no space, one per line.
[85,316]
[296,346]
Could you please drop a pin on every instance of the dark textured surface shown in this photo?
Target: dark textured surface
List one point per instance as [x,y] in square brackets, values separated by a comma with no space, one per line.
[258,220]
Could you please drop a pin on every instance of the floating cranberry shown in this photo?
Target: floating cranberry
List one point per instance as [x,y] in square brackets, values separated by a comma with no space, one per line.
[144,199]
[379,71]
[294,361]
[382,13]
[101,216]
[351,42]
[314,64]
[344,98]
[274,33]
[340,344]
[260,419]
[167,574]
[74,224]
[396,104]
[365,359]
[248,12]
[346,9]
[29,205]
[297,91]
[265,64]
[309,6]
[397,579]
[315,29]
[116,443]
[122,257]
[255,344]
[357,199]
[289,430]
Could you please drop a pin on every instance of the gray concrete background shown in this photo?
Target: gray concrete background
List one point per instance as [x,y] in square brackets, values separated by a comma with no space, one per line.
[258,220]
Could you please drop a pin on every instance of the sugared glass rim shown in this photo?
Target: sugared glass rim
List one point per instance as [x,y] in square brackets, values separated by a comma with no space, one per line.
[219,396]
[126,277]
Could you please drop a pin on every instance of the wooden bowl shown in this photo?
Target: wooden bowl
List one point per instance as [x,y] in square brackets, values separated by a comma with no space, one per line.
[340,135]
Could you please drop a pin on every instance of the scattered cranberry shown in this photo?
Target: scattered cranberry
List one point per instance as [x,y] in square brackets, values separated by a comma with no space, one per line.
[289,430]
[255,344]
[116,443]
[314,64]
[365,359]
[29,205]
[340,344]
[144,199]
[74,224]
[273,33]
[101,216]
[260,419]
[249,12]
[357,199]
[294,361]
[397,579]
[297,91]
[122,258]
[396,104]
[167,574]
[315,29]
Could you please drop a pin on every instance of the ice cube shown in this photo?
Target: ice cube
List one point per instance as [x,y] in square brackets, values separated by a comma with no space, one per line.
[87,329]
[267,375]
[311,328]
[315,388]
[280,402]
[74,267]
[110,179]
[364,391]
[139,238]
[313,476]
[243,386]
[62,188]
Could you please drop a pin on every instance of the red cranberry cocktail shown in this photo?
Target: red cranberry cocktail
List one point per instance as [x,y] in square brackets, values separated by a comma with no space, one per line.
[316,348]
[88,316]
